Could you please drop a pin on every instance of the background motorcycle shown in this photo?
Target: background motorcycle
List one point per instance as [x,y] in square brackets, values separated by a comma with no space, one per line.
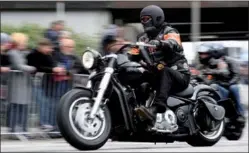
[88,116]
[233,130]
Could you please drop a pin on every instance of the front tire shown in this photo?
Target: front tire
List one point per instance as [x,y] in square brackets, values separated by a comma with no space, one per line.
[78,134]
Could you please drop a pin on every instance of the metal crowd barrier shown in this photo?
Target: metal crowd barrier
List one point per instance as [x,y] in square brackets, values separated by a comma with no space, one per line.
[28,102]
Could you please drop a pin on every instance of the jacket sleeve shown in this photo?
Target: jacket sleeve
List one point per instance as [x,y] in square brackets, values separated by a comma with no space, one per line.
[222,70]
[47,69]
[18,61]
[32,61]
[171,40]
[234,66]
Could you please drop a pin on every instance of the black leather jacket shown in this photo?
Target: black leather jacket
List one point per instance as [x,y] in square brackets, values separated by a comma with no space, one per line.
[171,52]
[224,77]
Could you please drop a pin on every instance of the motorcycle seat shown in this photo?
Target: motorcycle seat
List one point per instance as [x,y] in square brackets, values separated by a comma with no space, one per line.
[188,92]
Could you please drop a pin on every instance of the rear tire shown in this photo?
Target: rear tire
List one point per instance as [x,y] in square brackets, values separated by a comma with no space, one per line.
[200,140]
[68,130]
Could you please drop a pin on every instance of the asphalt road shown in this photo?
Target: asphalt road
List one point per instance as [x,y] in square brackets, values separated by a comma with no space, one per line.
[61,146]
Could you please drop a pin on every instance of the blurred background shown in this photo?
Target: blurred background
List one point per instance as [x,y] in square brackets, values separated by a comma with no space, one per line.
[223,22]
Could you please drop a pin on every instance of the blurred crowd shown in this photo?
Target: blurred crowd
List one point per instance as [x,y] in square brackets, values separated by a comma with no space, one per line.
[54,57]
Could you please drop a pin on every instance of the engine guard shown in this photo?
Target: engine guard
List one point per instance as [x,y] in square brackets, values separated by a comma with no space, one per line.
[216,111]
[229,107]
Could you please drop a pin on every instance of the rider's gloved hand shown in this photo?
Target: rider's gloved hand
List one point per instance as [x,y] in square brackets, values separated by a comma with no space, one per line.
[157,43]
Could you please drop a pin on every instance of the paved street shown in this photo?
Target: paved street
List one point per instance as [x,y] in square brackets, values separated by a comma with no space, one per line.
[61,146]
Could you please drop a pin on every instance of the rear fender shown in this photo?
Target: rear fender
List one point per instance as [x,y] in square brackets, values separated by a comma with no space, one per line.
[203,88]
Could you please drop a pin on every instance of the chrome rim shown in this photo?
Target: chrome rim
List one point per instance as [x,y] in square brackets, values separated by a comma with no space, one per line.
[81,124]
[215,134]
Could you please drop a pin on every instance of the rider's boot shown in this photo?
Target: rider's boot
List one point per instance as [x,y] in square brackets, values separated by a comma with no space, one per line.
[163,122]
[147,113]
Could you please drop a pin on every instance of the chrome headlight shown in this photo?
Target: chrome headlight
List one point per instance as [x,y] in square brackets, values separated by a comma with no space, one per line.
[89,59]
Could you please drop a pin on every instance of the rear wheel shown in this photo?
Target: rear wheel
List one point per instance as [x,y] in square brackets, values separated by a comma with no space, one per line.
[210,131]
[74,124]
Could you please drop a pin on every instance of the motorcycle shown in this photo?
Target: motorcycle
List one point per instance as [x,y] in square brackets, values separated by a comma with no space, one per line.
[105,108]
[233,129]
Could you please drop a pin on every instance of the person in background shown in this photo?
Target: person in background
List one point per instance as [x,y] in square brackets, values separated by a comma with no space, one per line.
[5,68]
[225,73]
[62,35]
[65,35]
[72,65]
[5,46]
[53,33]
[20,84]
[41,58]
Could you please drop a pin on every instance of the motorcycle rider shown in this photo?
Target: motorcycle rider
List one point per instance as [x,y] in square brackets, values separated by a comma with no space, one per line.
[224,71]
[172,70]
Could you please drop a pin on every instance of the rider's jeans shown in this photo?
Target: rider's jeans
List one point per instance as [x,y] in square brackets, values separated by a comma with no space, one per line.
[234,89]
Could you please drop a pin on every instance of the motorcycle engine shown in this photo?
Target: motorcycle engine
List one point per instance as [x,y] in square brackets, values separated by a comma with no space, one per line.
[182,114]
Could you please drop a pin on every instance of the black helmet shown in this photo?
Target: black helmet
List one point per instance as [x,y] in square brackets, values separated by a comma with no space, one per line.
[152,16]
[218,51]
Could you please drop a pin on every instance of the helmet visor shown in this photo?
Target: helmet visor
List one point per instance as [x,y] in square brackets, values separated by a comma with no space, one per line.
[145,19]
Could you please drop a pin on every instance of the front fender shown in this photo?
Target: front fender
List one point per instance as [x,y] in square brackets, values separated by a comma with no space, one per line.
[84,88]
[201,88]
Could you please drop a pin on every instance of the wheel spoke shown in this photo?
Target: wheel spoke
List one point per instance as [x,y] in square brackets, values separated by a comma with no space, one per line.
[78,112]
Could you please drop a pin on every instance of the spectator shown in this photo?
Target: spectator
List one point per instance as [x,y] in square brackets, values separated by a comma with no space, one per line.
[65,58]
[62,35]
[4,63]
[19,88]
[5,46]
[53,33]
[65,35]
[41,58]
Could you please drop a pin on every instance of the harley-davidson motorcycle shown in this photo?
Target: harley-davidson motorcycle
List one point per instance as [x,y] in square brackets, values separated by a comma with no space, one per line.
[233,129]
[105,108]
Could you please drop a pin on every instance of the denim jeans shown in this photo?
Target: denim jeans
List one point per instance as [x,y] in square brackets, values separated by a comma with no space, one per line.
[234,91]
[60,88]
[44,105]
[18,115]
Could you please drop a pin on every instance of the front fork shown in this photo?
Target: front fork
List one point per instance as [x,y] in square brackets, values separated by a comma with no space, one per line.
[101,91]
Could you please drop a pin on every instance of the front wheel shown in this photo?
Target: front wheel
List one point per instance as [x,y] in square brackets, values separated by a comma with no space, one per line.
[74,125]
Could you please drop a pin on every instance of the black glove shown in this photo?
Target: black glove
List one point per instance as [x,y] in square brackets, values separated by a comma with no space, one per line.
[156,42]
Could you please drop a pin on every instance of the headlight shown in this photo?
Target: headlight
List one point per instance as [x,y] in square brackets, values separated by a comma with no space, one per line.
[90,58]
